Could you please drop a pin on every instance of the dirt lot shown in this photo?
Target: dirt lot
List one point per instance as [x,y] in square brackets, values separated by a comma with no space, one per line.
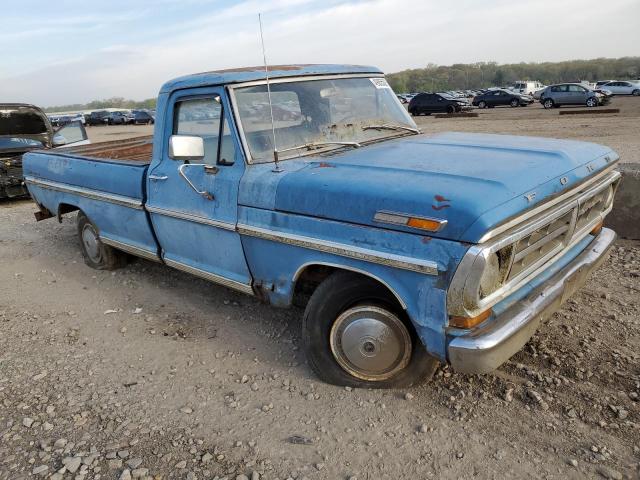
[152,372]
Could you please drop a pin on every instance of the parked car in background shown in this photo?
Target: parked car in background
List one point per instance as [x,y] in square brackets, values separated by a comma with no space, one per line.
[117,118]
[555,96]
[498,98]
[99,117]
[143,117]
[602,82]
[24,128]
[622,87]
[428,103]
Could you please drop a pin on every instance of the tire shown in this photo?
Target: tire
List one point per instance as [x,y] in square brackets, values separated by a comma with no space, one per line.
[636,93]
[95,253]
[548,103]
[592,102]
[482,104]
[414,113]
[451,109]
[345,303]
[514,103]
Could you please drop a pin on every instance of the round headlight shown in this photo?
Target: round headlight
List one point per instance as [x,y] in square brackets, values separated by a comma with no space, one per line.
[491,276]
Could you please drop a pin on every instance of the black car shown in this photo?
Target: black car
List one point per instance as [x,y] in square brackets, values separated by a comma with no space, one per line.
[498,98]
[142,117]
[428,103]
[99,117]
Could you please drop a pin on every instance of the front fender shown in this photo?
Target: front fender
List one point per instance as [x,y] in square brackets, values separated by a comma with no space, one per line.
[276,264]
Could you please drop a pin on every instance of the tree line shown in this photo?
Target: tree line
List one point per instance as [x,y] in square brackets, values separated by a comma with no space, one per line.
[115,102]
[461,76]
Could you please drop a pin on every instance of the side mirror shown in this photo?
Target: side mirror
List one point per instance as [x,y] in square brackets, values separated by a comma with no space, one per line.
[72,133]
[186,147]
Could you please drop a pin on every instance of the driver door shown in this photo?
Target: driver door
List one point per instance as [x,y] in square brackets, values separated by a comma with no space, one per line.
[193,201]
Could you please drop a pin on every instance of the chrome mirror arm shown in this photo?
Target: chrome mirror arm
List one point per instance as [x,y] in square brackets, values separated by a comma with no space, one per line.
[181,168]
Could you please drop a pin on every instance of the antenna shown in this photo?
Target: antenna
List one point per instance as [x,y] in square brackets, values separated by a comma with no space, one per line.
[266,72]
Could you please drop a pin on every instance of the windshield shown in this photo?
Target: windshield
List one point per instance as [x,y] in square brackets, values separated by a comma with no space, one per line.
[319,114]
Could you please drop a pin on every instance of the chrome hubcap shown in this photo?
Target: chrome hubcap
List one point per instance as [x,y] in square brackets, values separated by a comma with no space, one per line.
[370,343]
[90,241]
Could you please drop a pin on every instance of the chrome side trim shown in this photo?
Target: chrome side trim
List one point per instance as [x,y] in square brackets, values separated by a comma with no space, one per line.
[484,349]
[546,205]
[389,259]
[212,277]
[190,217]
[394,218]
[129,202]
[302,267]
[125,247]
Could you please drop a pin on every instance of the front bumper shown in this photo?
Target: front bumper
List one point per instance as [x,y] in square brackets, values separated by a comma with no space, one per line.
[488,347]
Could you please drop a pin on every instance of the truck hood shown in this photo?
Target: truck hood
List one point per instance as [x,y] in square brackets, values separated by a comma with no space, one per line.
[473,181]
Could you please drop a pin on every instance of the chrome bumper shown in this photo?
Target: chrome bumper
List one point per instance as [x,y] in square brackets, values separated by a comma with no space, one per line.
[488,347]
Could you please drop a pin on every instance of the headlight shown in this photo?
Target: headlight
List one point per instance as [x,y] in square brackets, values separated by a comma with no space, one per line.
[491,279]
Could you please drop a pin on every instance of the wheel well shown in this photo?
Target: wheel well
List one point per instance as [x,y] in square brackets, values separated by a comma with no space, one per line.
[65,208]
[310,276]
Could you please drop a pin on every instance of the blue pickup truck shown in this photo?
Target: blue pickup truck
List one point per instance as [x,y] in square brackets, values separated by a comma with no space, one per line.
[313,186]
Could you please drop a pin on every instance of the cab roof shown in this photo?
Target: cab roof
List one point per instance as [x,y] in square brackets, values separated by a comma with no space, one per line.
[250,74]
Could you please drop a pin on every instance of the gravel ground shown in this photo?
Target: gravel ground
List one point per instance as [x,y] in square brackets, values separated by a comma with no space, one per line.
[151,373]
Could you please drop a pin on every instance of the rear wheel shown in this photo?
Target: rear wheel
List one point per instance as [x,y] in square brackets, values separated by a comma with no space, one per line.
[482,104]
[96,254]
[548,103]
[514,103]
[592,102]
[636,92]
[356,335]
[451,109]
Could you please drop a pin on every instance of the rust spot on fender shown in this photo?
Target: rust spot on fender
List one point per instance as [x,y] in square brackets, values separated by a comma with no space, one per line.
[426,239]
[324,165]
[440,198]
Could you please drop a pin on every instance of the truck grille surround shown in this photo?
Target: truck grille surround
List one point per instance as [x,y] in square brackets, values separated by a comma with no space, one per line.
[530,245]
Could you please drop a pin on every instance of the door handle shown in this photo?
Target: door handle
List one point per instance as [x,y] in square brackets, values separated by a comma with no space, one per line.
[156,178]
[181,168]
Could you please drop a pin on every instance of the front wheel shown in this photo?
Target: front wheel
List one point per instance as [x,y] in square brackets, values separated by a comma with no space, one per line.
[548,103]
[482,104]
[592,102]
[451,109]
[514,103]
[636,93]
[356,335]
[96,254]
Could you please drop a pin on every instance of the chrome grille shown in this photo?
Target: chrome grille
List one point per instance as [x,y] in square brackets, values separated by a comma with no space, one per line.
[591,209]
[540,244]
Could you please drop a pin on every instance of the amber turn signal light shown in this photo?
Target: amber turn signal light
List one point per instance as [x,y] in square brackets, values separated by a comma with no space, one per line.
[424,224]
[598,228]
[469,322]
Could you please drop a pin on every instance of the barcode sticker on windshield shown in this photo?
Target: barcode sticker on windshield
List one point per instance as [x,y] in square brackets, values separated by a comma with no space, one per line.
[380,83]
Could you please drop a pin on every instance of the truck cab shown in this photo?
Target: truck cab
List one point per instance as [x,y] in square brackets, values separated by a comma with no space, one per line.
[313,186]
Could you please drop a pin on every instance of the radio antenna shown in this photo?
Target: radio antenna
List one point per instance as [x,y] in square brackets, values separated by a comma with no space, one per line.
[266,72]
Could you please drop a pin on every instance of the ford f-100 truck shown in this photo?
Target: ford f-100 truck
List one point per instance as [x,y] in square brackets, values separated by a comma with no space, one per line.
[312,185]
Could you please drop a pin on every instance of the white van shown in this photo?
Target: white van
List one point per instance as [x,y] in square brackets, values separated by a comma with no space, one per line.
[526,87]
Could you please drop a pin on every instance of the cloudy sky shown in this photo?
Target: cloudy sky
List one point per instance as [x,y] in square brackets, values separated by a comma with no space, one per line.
[67,51]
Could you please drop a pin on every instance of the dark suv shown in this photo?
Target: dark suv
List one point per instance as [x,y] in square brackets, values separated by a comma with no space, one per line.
[428,103]
[99,117]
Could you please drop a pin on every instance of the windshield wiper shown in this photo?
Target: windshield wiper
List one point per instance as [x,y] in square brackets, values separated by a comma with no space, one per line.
[389,126]
[314,145]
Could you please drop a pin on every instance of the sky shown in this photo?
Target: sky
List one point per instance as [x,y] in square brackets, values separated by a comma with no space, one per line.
[75,51]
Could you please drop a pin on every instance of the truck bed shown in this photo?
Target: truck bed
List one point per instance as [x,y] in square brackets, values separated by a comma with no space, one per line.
[138,149]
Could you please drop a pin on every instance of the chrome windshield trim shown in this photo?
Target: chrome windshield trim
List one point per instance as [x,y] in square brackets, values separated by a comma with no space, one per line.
[125,247]
[549,204]
[302,78]
[191,217]
[129,202]
[389,259]
[212,277]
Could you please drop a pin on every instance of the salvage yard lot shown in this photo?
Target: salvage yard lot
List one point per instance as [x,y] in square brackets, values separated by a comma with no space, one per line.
[150,368]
